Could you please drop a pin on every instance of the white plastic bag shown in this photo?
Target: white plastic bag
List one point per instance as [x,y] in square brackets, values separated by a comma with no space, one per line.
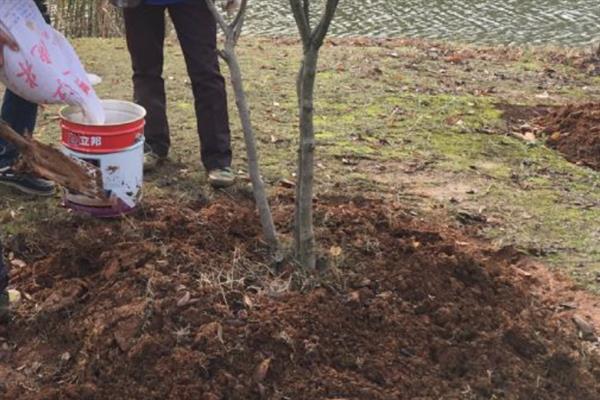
[46,69]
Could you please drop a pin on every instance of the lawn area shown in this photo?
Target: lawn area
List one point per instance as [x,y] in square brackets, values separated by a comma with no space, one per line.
[436,215]
[414,122]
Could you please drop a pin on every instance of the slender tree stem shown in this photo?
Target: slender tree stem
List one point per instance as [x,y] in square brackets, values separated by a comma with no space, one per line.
[312,40]
[321,30]
[232,33]
[305,236]
[260,195]
[301,20]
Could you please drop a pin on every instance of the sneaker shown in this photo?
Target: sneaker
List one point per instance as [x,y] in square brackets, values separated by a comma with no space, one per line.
[26,183]
[151,159]
[221,178]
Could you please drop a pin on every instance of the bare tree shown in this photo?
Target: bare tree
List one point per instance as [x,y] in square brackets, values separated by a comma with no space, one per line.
[312,40]
[232,33]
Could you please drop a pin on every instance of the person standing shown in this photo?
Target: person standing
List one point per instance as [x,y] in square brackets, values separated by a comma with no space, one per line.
[21,115]
[197,33]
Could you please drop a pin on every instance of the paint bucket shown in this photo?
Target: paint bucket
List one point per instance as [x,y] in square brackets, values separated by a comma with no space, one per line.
[116,148]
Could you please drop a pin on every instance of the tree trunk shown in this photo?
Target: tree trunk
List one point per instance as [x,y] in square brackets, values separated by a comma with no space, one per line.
[312,40]
[304,232]
[258,186]
[232,33]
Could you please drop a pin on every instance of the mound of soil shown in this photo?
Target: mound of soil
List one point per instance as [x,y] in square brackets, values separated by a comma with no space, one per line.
[179,303]
[574,130]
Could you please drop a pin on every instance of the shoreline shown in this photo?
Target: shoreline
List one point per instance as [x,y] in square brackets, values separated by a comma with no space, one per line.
[395,41]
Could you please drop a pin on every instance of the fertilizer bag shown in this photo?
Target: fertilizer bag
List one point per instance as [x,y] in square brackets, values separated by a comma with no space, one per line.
[46,69]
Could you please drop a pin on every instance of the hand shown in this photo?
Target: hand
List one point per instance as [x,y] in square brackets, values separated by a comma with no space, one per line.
[6,40]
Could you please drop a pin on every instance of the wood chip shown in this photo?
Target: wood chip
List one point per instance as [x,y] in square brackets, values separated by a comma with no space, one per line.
[18,263]
[184,300]
[568,306]
[585,328]
[262,370]
[248,302]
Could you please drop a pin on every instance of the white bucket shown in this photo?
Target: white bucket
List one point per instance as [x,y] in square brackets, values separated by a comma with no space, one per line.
[122,178]
[116,148]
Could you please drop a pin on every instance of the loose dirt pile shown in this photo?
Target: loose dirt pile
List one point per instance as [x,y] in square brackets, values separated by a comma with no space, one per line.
[178,303]
[575,131]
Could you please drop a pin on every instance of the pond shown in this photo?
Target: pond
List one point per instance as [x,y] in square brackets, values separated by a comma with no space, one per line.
[565,22]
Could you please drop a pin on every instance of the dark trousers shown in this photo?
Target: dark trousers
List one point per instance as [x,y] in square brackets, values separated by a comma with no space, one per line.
[197,33]
[3,272]
[19,113]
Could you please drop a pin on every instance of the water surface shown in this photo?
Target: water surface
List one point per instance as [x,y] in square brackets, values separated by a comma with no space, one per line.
[566,22]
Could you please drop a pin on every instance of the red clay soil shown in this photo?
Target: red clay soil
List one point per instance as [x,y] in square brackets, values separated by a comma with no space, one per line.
[179,303]
[574,130]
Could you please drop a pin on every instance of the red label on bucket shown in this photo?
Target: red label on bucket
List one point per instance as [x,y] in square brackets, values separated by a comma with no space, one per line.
[101,139]
[74,139]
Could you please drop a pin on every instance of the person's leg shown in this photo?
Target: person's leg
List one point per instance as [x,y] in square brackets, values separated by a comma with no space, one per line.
[4,298]
[145,32]
[20,115]
[197,33]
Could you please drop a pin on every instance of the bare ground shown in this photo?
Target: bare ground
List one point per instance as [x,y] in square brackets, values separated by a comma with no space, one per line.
[431,285]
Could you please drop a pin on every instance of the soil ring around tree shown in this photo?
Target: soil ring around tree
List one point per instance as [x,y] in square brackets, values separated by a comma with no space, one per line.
[179,302]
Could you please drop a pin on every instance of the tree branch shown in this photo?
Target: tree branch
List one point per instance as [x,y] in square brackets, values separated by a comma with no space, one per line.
[318,35]
[302,21]
[239,18]
[223,54]
[306,4]
[238,22]
[220,20]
